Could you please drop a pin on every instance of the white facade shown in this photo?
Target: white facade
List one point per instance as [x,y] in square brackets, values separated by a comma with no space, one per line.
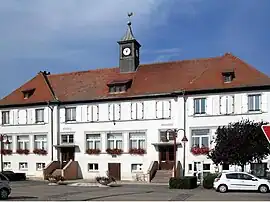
[86,125]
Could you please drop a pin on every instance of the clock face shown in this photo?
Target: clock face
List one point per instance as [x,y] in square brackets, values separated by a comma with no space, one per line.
[126,51]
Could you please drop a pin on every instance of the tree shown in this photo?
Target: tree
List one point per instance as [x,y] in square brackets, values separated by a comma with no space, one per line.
[240,143]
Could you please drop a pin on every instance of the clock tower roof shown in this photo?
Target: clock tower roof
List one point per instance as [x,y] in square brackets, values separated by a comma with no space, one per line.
[129,34]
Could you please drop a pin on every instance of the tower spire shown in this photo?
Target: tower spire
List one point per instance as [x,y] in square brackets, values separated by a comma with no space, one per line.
[129,34]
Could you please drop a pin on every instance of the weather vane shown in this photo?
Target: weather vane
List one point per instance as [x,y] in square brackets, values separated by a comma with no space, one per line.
[129,16]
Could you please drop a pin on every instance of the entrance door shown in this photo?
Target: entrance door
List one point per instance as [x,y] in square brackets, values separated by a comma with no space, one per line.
[67,153]
[115,170]
[166,157]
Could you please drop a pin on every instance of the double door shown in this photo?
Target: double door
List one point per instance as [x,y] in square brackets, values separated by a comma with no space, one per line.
[166,157]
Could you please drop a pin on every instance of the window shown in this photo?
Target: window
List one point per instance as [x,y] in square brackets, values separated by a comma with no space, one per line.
[28,93]
[40,166]
[92,167]
[136,167]
[5,117]
[254,102]
[115,141]
[189,167]
[137,110]
[206,166]
[40,142]
[117,88]
[93,113]
[67,138]
[23,142]
[71,114]
[232,176]
[10,145]
[200,105]
[164,137]
[39,115]
[228,76]
[23,166]
[137,140]
[197,166]
[200,138]
[93,141]
[114,112]
[227,104]
[244,176]
[163,109]
[7,165]
[225,166]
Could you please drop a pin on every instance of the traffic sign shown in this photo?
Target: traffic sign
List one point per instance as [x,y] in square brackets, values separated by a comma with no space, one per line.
[266,131]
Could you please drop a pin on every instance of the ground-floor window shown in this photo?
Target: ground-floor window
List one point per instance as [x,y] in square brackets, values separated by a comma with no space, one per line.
[115,141]
[92,167]
[225,166]
[23,166]
[136,167]
[7,166]
[40,166]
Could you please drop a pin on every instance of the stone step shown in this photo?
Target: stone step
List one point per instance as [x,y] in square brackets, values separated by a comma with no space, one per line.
[57,172]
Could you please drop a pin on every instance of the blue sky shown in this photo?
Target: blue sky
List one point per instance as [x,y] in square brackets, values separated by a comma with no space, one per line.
[72,35]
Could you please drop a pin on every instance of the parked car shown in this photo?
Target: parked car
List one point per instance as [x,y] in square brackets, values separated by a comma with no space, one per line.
[14,176]
[5,189]
[240,181]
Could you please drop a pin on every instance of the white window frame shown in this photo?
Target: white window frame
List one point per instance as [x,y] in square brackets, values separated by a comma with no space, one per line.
[93,140]
[115,137]
[42,142]
[72,114]
[199,111]
[23,166]
[6,120]
[37,118]
[137,136]
[68,138]
[254,101]
[94,167]
[139,168]
[7,166]
[24,141]
[200,136]
[10,145]
[40,166]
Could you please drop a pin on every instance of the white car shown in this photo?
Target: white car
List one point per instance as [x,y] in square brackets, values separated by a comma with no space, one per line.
[240,181]
[5,189]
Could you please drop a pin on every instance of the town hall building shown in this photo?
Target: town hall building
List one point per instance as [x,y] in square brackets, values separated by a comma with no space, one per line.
[123,119]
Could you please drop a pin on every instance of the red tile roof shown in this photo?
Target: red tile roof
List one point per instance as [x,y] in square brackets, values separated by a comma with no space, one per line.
[149,79]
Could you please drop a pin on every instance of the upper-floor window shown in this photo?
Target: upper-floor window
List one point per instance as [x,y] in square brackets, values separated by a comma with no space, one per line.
[115,141]
[8,146]
[39,115]
[200,138]
[163,109]
[5,117]
[200,105]
[227,104]
[228,76]
[40,142]
[71,114]
[137,140]
[119,86]
[93,113]
[23,142]
[254,102]
[93,141]
[67,138]
[137,110]
[114,112]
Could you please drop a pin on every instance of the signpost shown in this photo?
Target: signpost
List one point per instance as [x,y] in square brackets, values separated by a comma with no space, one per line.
[266,130]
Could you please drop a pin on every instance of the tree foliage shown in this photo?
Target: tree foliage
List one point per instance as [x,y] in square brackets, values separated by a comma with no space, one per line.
[240,143]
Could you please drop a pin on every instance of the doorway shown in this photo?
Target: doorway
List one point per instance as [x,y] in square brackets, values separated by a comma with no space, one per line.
[115,170]
[166,157]
[67,154]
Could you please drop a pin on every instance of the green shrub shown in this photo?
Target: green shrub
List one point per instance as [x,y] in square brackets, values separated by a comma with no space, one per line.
[188,182]
[208,180]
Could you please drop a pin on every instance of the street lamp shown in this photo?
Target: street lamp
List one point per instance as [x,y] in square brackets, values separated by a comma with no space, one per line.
[2,136]
[184,140]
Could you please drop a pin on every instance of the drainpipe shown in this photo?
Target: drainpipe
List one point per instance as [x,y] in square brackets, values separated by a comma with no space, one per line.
[51,108]
[184,158]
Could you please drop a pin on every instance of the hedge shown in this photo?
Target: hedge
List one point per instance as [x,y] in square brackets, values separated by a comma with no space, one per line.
[208,181]
[188,182]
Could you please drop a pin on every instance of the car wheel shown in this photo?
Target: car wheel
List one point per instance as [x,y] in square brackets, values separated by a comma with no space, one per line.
[4,194]
[263,188]
[222,188]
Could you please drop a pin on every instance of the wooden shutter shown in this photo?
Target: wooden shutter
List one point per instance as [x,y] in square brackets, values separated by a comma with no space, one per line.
[209,105]
[230,104]
[78,111]
[167,109]
[117,111]
[190,106]
[47,111]
[222,101]
[140,110]
[244,103]
[159,109]
[133,110]
[62,115]
[29,116]
[95,112]
[264,101]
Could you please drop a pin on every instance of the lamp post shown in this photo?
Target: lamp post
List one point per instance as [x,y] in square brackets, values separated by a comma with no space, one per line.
[2,136]
[184,140]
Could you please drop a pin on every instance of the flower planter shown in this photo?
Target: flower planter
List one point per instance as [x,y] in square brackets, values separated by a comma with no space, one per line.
[200,150]
[93,151]
[137,151]
[40,151]
[114,151]
[6,151]
[22,151]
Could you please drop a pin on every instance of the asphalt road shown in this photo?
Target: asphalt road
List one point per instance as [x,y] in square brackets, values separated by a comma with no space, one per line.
[38,190]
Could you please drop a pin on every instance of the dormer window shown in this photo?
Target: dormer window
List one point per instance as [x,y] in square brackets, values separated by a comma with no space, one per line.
[228,76]
[28,93]
[119,86]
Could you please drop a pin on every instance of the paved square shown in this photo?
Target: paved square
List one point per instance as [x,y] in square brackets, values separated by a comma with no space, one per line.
[38,190]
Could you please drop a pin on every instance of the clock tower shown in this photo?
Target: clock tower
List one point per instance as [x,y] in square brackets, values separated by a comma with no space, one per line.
[129,51]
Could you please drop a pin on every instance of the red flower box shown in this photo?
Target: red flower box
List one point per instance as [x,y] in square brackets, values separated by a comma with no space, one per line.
[93,151]
[200,150]
[114,151]
[23,151]
[40,151]
[137,151]
[6,151]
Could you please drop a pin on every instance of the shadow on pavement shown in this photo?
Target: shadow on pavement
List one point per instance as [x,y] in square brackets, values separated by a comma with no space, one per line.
[21,197]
